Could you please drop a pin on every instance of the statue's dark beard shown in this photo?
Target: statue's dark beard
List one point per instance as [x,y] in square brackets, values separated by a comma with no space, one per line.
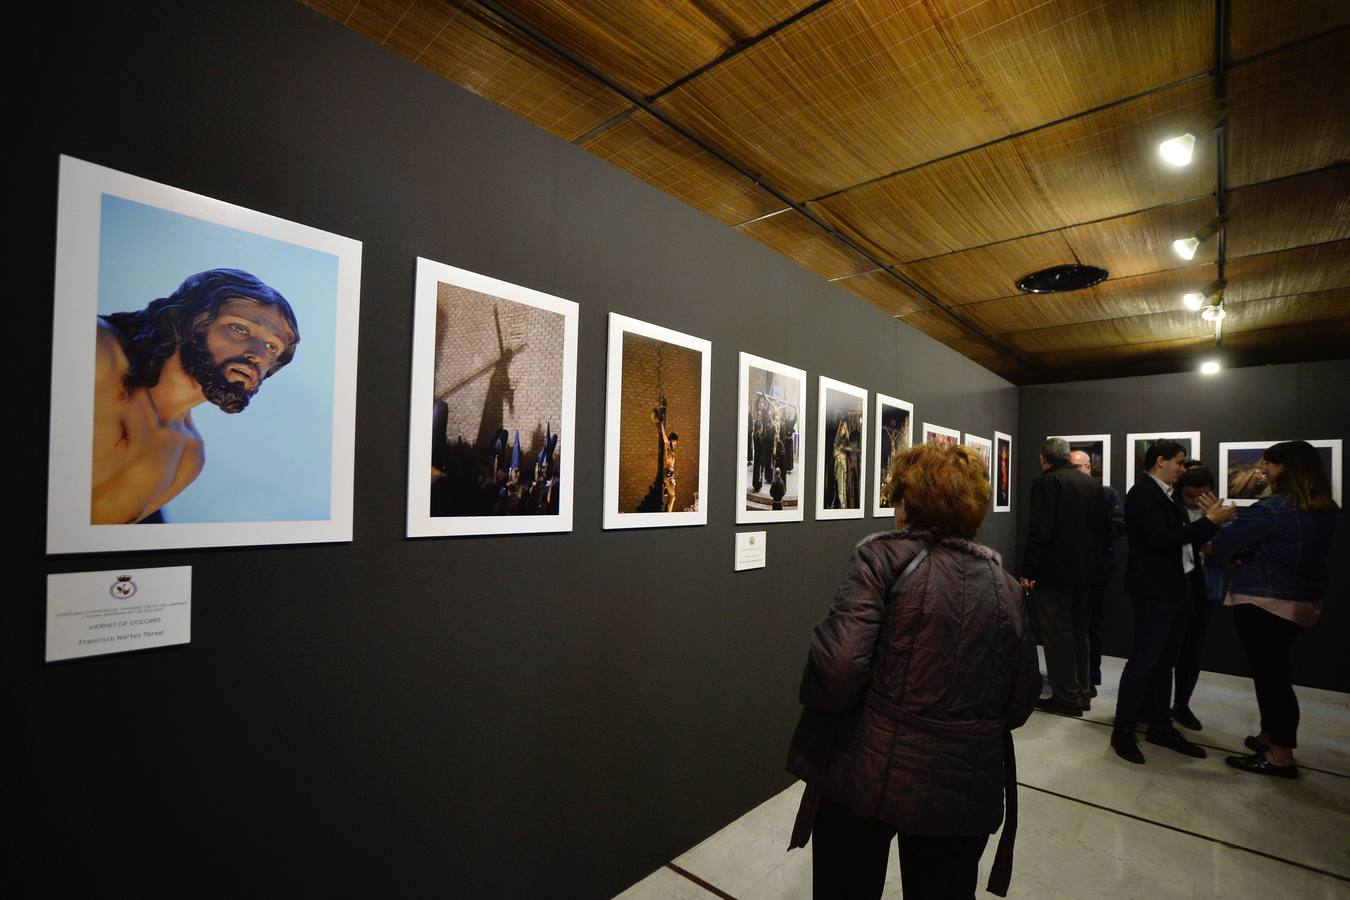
[197,362]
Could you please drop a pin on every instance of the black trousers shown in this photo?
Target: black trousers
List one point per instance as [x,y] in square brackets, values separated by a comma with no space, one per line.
[1096,618]
[848,859]
[1146,683]
[1188,660]
[1268,640]
[1064,614]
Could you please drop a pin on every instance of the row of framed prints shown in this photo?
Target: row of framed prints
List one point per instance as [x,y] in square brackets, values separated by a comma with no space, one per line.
[204,394]
[493,419]
[1239,477]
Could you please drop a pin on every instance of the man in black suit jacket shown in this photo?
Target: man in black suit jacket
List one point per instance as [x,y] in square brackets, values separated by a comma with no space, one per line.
[1158,583]
[1066,533]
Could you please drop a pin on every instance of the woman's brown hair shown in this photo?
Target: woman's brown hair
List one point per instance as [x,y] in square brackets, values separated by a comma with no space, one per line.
[1304,479]
[945,489]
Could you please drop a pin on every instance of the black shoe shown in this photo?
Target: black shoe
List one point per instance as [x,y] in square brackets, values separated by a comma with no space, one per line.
[1255,744]
[1183,716]
[1050,704]
[1092,691]
[1258,764]
[1173,740]
[1126,747]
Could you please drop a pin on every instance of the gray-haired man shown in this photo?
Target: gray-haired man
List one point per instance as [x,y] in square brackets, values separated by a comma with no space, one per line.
[1065,536]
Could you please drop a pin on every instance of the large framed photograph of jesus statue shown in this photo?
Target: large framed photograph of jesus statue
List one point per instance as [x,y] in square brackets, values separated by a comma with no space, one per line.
[492,432]
[841,450]
[203,371]
[656,426]
[771,430]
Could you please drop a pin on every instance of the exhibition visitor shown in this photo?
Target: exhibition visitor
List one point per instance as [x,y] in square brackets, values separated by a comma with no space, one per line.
[1206,581]
[1276,553]
[1115,528]
[912,683]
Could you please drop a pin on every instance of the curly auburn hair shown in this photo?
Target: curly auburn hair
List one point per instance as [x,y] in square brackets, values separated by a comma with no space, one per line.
[944,489]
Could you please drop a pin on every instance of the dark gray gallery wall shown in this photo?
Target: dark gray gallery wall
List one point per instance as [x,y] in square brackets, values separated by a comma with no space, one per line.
[1306,401]
[508,717]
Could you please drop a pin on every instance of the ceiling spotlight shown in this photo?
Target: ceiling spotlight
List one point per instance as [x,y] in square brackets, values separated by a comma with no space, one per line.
[1186,247]
[1213,313]
[1209,367]
[1177,151]
[1210,294]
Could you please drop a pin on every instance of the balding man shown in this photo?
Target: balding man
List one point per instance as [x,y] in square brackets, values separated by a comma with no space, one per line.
[1065,535]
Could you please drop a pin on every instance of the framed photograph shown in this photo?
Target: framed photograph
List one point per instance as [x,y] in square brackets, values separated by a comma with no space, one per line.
[1137,443]
[936,434]
[841,452]
[1098,449]
[985,449]
[491,433]
[203,371]
[771,434]
[1242,481]
[894,433]
[1003,467]
[656,426]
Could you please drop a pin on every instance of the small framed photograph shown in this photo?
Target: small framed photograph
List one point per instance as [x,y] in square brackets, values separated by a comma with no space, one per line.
[937,434]
[1242,480]
[771,439]
[894,434]
[1003,467]
[1137,443]
[984,448]
[1098,449]
[492,430]
[656,426]
[841,451]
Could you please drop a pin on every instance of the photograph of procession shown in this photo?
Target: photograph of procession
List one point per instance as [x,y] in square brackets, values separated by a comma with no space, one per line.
[984,449]
[772,425]
[656,426]
[840,450]
[493,400]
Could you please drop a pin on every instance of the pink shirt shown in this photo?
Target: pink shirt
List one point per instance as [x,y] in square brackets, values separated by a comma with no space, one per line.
[1303,614]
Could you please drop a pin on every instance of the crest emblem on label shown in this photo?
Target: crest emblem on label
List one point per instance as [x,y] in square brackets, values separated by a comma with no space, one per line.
[123,588]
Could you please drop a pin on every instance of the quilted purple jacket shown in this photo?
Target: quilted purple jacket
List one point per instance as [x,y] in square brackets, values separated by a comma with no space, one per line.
[925,683]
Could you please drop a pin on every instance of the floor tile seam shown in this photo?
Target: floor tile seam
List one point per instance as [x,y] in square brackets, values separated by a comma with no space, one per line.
[707,886]
[1195,834]
[1228,750]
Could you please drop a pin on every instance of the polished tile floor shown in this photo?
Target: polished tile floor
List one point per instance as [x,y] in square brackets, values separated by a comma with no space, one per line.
[1095,826]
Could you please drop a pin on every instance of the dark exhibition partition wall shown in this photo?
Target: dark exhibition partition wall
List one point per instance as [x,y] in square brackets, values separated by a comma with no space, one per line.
[549,715]
[1307,401]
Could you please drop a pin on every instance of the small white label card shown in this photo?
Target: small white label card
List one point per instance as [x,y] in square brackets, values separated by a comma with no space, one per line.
[750,550]
[89,613]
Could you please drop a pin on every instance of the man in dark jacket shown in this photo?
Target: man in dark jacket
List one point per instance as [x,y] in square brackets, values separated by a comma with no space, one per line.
[1157,580]
[1115,528]
[1065,536]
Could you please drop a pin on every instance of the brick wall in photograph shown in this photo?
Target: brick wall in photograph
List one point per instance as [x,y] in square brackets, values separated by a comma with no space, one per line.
[649,368]
[499,364]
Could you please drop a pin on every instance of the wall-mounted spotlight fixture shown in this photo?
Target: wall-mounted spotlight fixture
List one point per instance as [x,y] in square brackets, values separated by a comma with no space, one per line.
[1186,247]
[1209,367]
[1198,300]
[1213,313]
[1177,150]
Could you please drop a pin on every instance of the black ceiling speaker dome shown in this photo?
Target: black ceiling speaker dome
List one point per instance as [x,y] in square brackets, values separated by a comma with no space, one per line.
[1058,279]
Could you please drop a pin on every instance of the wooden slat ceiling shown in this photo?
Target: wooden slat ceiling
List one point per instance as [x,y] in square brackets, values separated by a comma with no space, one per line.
[925,155]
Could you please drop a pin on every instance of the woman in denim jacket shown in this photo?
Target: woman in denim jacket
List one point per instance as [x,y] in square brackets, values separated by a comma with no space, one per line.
[1275,555]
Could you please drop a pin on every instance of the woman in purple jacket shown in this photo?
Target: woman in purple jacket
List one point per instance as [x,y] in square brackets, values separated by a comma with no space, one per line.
[912,684]
[1276,552]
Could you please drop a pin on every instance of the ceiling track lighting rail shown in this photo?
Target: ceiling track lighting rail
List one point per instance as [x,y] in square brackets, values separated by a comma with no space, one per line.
[582,65]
